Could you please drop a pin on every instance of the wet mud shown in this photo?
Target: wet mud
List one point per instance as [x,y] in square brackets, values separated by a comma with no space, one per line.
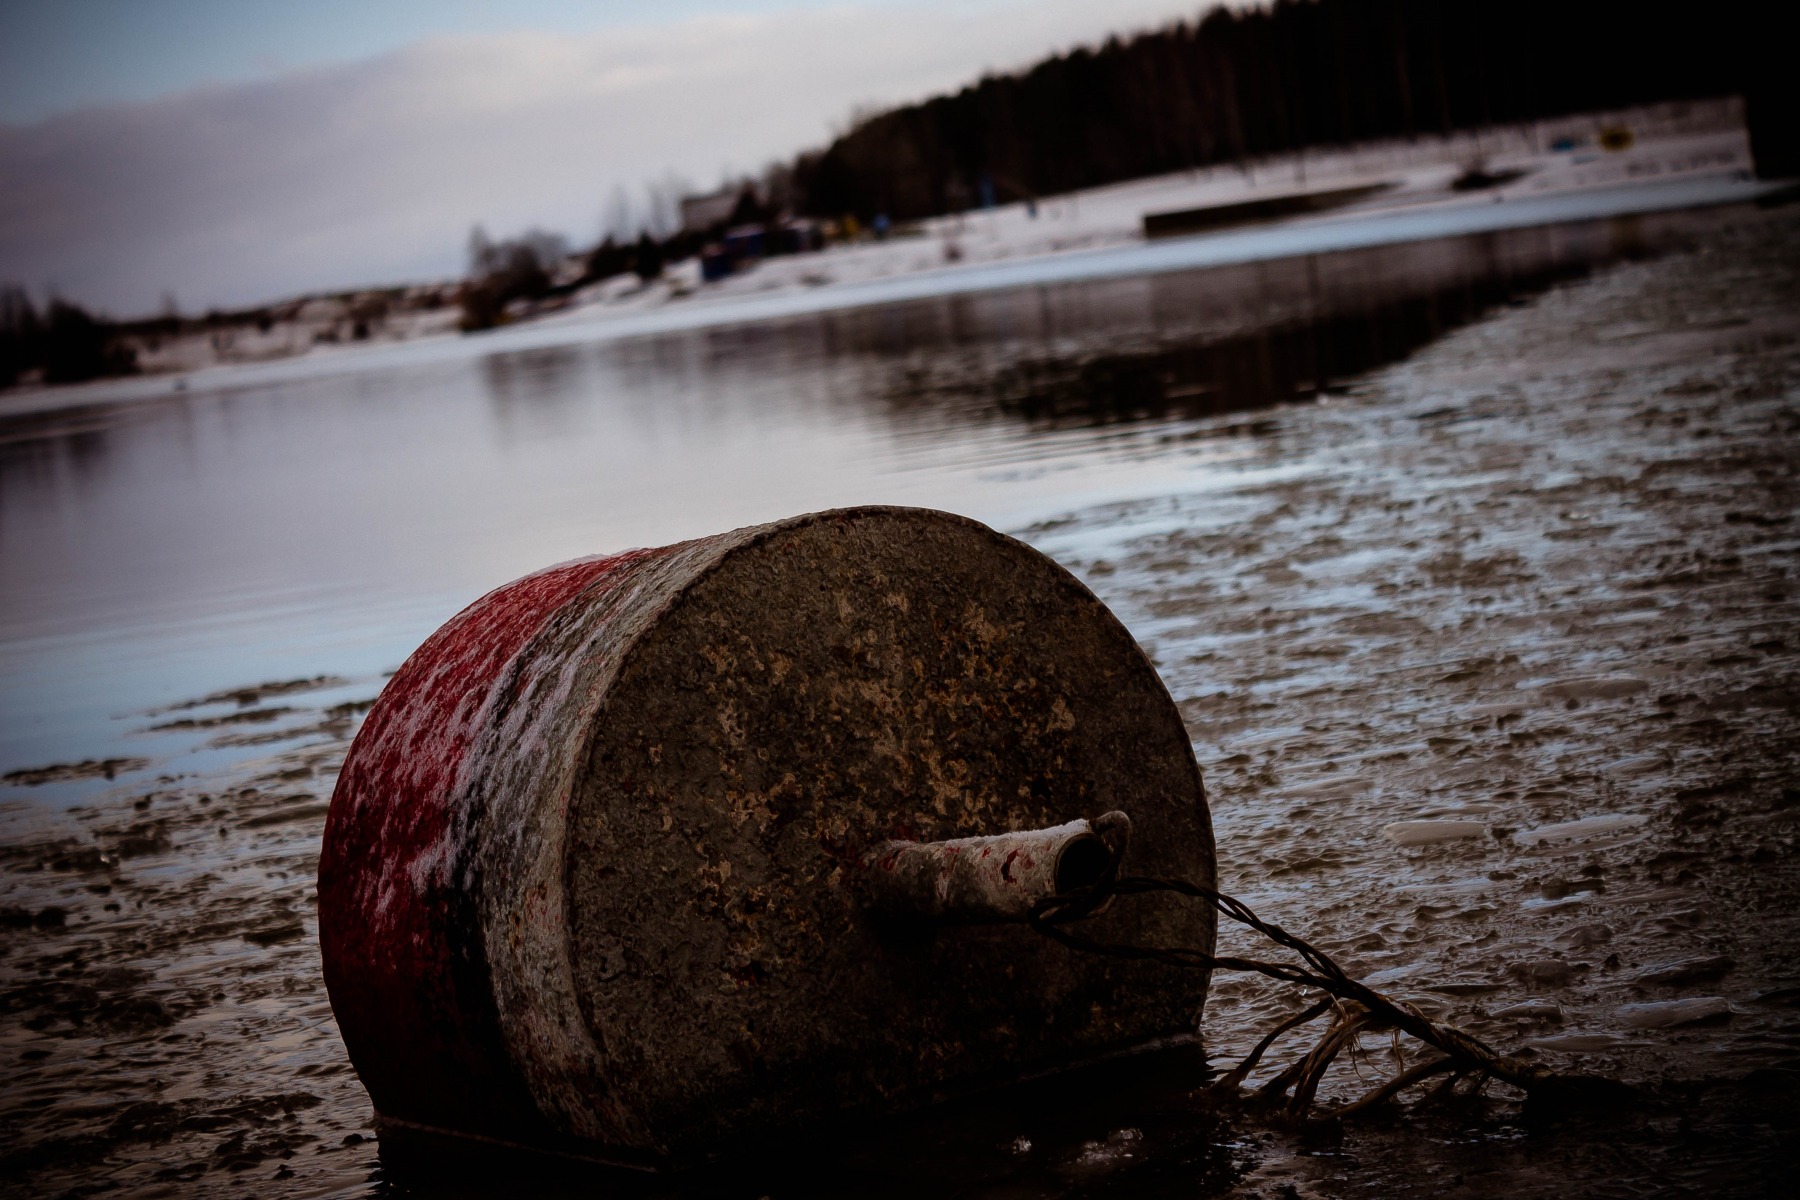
[87,768]
[1490,661]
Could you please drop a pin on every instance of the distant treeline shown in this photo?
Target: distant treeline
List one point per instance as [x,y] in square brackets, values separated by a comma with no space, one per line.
[62,344]
[1242,83]
[520,270]
[65,343]
[1255,81]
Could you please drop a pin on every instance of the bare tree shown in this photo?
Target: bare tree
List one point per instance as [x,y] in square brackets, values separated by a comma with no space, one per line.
[481,253]
[619,220]
[778,190]
[662,203]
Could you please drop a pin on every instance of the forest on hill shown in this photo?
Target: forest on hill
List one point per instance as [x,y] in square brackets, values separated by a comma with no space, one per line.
[1245,82]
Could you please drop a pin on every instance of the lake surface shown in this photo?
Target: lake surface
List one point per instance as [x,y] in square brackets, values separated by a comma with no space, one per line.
[321,519]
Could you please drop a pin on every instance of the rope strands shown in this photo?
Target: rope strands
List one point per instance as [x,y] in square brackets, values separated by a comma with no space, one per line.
[1357,1007]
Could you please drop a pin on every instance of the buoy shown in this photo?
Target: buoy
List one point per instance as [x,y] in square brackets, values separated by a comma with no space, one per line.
[649,857]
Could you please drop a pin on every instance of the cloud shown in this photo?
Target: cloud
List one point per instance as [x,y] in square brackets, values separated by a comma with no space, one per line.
[374,171]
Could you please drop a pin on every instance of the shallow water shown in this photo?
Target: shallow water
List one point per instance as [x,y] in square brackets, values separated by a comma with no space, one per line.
[156,552]
[1487,657]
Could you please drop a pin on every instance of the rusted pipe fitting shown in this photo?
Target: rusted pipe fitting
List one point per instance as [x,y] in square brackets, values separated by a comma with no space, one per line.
[981,880]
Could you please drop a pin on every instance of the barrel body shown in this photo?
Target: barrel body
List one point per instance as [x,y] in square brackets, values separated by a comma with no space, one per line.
[594,873]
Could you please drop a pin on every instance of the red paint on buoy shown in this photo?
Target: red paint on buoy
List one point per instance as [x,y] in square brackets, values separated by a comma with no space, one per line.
[395,912]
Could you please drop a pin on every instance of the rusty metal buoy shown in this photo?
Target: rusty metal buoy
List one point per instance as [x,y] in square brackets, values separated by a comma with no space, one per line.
[642,858]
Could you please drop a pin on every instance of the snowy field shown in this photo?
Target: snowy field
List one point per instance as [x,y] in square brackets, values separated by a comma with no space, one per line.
[1681,155]
[1670,142]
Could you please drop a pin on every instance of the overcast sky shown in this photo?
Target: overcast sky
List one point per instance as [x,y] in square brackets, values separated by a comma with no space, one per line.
[230,153]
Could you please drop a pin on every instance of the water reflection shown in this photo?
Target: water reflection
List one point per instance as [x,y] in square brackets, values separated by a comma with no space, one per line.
[211,539]
[1189,344]
[536,388]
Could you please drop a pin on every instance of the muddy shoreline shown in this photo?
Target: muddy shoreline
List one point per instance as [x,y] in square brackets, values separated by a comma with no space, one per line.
[1491,666]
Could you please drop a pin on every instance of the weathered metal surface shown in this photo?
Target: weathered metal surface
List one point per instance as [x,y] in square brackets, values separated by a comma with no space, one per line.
[1001,877]
[398,888]
[594,872]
